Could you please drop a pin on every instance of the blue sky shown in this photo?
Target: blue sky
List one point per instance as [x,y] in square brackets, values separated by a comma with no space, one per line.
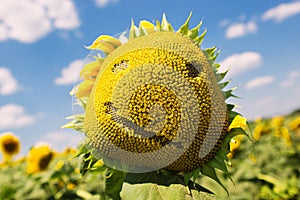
[42,49]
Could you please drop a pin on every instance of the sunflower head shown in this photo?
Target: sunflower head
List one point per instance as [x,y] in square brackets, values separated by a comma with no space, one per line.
[38,158]
[9,145]
[153,99]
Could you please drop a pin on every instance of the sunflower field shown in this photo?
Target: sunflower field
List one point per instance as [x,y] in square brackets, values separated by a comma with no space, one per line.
[265,168]
[158,125]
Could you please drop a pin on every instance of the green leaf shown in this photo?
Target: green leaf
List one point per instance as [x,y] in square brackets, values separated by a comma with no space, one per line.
[114,182]
[150,191]
[157,177]
[210,172]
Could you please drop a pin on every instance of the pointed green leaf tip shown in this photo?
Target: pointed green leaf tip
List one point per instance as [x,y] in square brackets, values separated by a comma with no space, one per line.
[133,28]
[193,33]
[165,25]
[211,172]
[184,29]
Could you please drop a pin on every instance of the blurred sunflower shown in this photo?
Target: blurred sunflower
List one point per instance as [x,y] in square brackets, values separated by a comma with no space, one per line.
[261,128]
[9,145]
[295,124]
[153,99]
[38,158]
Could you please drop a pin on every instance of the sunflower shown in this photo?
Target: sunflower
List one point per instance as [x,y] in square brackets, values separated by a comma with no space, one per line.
[38,158]
[9,145]
[153,99]
[295,124]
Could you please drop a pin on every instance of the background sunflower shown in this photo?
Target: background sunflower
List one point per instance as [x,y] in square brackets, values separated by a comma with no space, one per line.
[9,145]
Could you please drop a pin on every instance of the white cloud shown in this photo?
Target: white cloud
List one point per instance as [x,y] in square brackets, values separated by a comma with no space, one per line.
[236,30]
[259,81]
[292,76]
[8,84]
[103,3]
[69,73]
[282,11]
[240,62]
[29,20]
[13,116]
[61,139]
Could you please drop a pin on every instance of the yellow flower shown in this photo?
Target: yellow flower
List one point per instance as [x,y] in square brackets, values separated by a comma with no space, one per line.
[286,136]
[277,121]
[260,129]
[71,186]
[38,158]
[9,145]
[156,100]
[295,124]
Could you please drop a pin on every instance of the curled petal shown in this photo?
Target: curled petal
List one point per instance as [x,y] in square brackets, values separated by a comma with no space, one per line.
[105,43]
[90,70]
[83,89]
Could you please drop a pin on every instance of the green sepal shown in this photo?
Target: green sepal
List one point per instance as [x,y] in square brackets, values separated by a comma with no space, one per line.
[158,26]
[222,85]
[184,29]
[88,161]
[230,107]
[142,32]
[193,33]
[211,52]
[82,150]
[165,25]
[231,115]
[77,123]
[209,171]
[220,76]
[218,162]
[198,40]
[132,32]
[229,94]
[191,174]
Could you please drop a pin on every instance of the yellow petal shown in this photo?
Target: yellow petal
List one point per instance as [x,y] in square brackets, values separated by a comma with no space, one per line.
[147,27]
[105,43]
[84,89]
[90,70]
[238,122]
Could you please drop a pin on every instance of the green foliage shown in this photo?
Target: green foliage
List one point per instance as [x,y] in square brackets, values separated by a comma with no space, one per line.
[265,168]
